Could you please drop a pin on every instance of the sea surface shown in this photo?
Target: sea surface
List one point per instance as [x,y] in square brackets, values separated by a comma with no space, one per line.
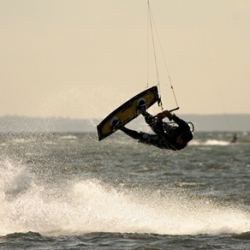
[70,191]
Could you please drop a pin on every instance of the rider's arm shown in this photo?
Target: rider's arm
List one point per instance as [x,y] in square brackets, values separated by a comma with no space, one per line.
[162,115]
[182,124]
[166,138]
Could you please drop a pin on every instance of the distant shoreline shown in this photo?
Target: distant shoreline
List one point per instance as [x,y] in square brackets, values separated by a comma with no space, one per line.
[225,122]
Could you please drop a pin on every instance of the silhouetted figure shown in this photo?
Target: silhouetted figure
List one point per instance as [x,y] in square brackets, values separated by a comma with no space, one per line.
[234,139]
[166,136]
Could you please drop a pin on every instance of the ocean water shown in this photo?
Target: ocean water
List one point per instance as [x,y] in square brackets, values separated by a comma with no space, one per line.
[70,191]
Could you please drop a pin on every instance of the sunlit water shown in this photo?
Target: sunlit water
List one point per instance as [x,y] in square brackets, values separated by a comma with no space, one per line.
[69,191]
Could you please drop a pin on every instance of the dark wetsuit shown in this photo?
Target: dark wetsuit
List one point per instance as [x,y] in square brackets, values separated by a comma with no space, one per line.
[165,134]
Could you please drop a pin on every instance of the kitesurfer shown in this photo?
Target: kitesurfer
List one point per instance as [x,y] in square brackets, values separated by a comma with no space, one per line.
[234,139]
[166,136]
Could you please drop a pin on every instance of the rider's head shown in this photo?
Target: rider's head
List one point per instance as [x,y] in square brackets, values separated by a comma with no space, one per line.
[187,136]
[184,138]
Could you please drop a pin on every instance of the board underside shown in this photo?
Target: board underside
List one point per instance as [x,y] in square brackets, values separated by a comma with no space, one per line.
[127,111]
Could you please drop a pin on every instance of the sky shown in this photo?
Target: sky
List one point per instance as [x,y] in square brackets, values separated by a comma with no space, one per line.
[84,58]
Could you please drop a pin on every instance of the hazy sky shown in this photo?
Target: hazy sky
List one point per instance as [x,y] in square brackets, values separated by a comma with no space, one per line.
[84,58]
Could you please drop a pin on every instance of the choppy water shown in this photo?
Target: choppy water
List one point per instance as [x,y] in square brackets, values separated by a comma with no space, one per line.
[69,191]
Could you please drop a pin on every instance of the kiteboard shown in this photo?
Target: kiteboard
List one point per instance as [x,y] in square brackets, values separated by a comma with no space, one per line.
[127,111]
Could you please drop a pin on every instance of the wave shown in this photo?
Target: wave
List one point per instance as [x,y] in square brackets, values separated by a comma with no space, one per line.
[210,143]
[85,206]
[68,137]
